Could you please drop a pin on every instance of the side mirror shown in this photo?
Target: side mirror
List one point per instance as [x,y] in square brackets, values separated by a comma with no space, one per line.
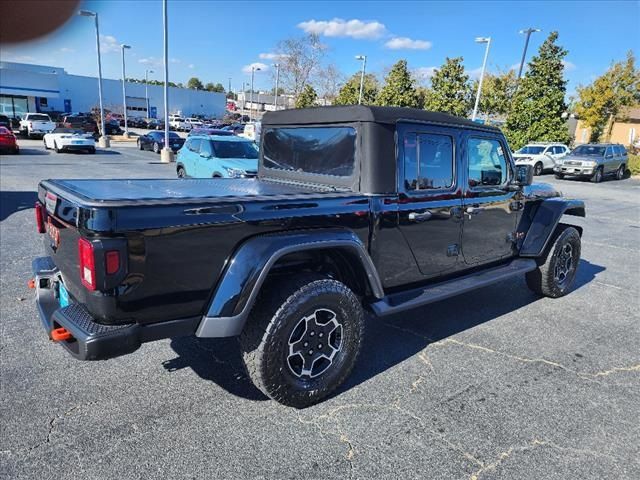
[523,175]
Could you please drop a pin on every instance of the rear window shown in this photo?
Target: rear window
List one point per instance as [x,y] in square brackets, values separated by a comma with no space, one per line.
[44,118]
[235,150]
[316,150]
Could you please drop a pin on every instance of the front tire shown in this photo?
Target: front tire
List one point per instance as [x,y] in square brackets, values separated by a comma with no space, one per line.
[55,147]
[620,172]
[537,169]
[302,339]
[555,276]
[597,175]
[156,147]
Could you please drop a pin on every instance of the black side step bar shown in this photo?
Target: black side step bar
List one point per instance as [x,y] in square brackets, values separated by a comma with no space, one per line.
[433,293]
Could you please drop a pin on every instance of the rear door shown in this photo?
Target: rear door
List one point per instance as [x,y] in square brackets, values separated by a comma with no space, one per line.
[430,197]
[490,212]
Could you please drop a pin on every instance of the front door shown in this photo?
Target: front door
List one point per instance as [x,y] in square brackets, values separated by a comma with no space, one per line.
[489,209]
[430,197]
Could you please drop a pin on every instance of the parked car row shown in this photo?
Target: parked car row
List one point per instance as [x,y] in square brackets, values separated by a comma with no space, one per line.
[594,161]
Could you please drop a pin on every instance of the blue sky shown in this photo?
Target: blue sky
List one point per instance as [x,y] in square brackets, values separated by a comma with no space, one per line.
[216,40]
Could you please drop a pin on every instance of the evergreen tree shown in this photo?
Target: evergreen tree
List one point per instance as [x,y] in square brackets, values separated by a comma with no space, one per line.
[538,105]
[497,91]
[399,89]
[600,102]
[307,97]
[350,91]
[450,90]
[195,84]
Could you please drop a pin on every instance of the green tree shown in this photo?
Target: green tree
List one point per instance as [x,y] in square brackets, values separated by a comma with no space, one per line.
[399,89]
[497,91]
[194,83]
[350,91]
[450,90]
[538,105]
[599,103]
[307,97]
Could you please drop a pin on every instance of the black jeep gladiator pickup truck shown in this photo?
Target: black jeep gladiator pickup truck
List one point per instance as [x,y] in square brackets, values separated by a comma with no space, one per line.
[354,208]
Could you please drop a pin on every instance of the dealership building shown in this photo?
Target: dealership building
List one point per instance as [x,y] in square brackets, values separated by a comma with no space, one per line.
[40,88]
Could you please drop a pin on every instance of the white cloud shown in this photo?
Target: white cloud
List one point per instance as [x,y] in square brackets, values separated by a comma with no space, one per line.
[424,73]
[405,43]
[475,73]
[191,65]
[175,60]
[272,56]
[109,44]
[344,28]
[151,61]
[13,57]
[67,50]
[256,66]
[568,66]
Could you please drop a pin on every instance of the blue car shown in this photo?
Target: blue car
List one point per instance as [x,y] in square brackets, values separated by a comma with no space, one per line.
[214,156]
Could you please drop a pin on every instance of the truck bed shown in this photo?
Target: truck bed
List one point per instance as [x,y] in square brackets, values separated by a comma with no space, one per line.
[116,193]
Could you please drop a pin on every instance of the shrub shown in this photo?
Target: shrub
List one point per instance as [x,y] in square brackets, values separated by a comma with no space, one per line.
[634,164]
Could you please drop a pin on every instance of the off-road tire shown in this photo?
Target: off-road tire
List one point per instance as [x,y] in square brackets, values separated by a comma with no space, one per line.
[544,279]
[266,338]
[597,175]
[538,169]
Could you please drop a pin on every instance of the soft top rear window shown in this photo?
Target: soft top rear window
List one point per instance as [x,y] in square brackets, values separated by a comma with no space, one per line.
[315,150]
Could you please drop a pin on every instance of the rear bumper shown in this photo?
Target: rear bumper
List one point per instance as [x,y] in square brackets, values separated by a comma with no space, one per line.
[77,147]
[91,340]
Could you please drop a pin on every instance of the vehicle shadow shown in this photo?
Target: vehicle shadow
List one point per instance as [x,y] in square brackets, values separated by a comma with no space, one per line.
[388,342]
[33,151]
[12,202]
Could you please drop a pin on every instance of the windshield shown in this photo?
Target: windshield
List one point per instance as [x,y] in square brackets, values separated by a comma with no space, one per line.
[44,118]
[318,150]
[589,150]
[235,150]
[531,150]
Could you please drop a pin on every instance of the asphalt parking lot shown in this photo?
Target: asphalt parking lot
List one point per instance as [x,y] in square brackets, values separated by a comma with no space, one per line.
[497,384]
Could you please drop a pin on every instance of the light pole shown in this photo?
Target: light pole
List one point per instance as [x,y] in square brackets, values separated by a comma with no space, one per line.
[146,90]
[528,33]
[253,71]
[166,155]
[124,92]
[104,140]
[244,97]
[486,40]
[275,93]
[229,89]
[364,66]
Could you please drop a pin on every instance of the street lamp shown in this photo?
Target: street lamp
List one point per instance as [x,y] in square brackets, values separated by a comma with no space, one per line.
[486,40]
[364,65]
[166,155]
[104,140]
[146,90]
[275,93]
[124,92]
[253,70]
[528,33]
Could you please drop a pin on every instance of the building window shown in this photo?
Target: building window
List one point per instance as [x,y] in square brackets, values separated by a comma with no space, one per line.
[43,102]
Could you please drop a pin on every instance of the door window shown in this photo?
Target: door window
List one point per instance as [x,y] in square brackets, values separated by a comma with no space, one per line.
[205,148]
[194,145]
[487,162]
[428,161]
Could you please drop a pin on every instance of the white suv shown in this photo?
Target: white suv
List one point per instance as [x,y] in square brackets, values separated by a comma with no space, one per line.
[541,156]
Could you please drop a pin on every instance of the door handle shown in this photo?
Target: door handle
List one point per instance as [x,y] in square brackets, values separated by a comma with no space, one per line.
[419,216]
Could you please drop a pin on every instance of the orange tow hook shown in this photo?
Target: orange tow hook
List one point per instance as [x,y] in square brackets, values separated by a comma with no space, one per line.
[60,335]
[31,283]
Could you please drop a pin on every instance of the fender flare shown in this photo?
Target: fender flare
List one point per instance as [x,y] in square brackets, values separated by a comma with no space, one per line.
[246,271]
[545,221]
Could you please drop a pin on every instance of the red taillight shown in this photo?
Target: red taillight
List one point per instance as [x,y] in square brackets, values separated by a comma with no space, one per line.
[87,263]
[112,261]
[40,217]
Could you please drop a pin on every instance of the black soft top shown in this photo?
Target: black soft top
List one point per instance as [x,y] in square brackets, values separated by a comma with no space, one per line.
[364,113]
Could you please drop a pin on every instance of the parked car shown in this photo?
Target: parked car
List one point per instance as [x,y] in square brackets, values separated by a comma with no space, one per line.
[193,122]
[8,142]
[137,122]
[154,140]
[5,122]
[112,127]
[208,156]
[595,161]
[81,122]
[354,208]
[178,123]
[541,156]
[209,131]
[236,128]
[69,139]
[36,124]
